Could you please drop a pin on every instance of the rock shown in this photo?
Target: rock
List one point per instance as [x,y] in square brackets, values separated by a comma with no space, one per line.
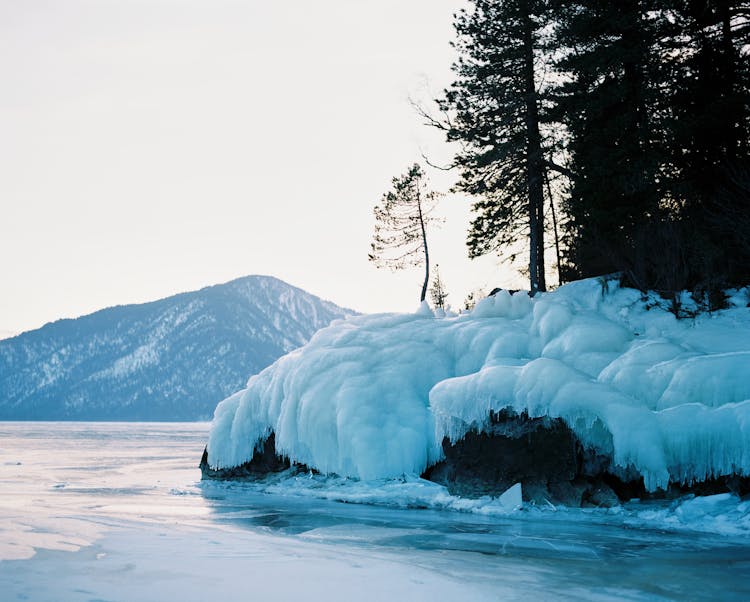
[600,495]
[537,493]
[540,455]
[536,452]
[568,493]
[263,462]
[498,289]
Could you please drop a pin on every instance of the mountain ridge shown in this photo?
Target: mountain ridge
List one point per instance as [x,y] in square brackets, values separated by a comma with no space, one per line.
[168,359]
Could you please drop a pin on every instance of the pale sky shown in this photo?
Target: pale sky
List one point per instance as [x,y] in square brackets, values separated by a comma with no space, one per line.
[149,147]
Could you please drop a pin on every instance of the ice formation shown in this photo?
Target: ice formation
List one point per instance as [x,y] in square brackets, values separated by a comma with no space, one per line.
[373,396]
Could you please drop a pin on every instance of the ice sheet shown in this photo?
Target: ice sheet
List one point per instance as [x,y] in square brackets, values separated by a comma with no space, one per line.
[147,529]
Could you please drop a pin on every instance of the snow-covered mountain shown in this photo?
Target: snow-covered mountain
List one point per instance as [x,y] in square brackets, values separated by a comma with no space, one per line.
[170,359]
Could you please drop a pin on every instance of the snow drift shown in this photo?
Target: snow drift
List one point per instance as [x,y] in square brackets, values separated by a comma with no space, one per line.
[374,396]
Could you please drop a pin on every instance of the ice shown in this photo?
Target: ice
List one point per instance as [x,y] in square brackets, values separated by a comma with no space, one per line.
[135,523]
[372,397]
[512,498]
[712,379]
[721,513]
[739,297]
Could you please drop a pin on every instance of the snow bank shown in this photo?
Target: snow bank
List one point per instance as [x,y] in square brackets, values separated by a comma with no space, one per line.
[372,397]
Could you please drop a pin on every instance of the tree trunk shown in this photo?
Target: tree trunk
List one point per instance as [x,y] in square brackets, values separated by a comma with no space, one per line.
[426,253]
[554,227]
[534,162]
[735,133]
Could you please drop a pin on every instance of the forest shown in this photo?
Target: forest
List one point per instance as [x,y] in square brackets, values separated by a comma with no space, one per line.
[612,136]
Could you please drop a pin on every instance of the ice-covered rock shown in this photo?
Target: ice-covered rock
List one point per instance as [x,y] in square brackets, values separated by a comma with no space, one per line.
[541,453]
[375,396]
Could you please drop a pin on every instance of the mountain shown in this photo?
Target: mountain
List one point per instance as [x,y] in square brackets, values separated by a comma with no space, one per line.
[171,359]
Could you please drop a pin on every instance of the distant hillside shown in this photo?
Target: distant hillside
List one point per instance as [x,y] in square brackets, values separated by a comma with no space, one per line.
[172,359]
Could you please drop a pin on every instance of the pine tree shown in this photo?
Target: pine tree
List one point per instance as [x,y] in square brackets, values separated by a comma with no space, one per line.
[656,112]
[608,105]
[652,100]
[709,142]
[493,110]
[437,290]
[401,220]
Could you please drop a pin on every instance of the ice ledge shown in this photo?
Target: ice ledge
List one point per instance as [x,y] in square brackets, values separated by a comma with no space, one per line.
[373,397]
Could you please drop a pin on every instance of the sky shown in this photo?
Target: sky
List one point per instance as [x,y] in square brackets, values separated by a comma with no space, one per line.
[150,147]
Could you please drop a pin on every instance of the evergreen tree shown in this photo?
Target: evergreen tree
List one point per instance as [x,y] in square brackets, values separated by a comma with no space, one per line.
[610,110]
[401,219]
[493,110]
[653,100]
[656,113]
[709,144]
[473,298]
[437,290]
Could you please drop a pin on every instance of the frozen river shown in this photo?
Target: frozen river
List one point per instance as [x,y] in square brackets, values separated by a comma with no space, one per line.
[114,511]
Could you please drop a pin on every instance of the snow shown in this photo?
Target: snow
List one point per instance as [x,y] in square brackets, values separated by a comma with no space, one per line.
[721,513]
[372,397]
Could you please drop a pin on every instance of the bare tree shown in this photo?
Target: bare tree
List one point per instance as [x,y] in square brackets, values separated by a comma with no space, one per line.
[401,219]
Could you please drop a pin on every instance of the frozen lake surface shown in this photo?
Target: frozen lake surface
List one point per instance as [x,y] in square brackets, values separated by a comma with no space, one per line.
[116,511]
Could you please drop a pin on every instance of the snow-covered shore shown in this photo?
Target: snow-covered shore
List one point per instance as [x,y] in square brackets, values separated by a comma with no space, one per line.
[372,397]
